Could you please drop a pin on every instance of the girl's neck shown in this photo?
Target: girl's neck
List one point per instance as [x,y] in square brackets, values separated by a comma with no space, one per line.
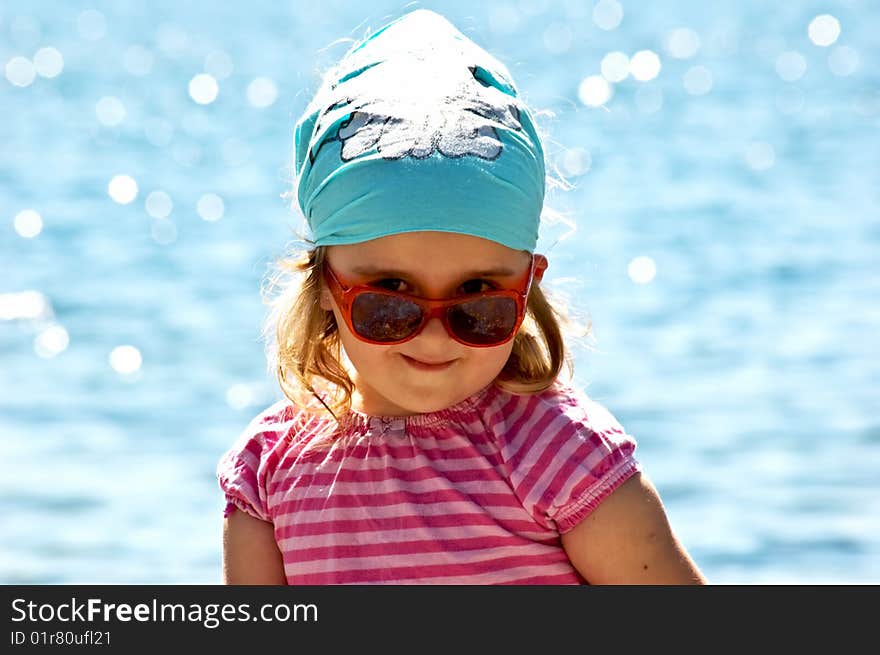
[366,400]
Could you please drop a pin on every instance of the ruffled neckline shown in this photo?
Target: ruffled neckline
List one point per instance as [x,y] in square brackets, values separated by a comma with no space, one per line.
[361,421]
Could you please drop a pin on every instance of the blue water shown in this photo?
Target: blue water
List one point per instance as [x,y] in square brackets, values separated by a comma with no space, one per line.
[746,365]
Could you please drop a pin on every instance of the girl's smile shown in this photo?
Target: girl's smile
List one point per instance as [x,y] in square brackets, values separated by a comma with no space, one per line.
[427,366]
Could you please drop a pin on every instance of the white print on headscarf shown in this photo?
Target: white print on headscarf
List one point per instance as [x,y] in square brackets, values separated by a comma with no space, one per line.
[430,116]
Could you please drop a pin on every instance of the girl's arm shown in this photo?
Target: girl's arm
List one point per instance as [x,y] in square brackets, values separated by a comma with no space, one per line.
[627,540]
[250,554]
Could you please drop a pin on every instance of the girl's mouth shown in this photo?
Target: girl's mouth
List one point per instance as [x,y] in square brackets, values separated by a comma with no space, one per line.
[427,366]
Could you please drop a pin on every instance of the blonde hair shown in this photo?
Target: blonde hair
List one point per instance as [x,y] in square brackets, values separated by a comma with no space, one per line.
[304,349]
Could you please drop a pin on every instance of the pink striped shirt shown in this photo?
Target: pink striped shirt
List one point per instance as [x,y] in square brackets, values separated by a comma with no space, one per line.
[478,493]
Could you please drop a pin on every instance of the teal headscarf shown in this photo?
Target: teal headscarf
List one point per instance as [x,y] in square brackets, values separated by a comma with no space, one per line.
[418,128]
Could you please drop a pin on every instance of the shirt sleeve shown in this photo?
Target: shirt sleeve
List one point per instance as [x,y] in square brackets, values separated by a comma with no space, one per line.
[244,471]
[567,456]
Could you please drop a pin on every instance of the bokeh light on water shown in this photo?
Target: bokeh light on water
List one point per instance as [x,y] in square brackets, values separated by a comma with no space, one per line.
[28,223]
[723,162]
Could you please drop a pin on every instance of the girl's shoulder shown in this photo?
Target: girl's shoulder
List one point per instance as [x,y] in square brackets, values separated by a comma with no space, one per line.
[564,453]
[561,405]
[275,431]
[246,470]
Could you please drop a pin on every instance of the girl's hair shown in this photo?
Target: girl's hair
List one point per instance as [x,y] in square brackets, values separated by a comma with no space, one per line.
[304,349]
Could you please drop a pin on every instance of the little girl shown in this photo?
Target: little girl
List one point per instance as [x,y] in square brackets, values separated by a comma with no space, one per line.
[425,436]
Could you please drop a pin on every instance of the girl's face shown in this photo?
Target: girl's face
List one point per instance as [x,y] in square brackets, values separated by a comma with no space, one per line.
[432,370]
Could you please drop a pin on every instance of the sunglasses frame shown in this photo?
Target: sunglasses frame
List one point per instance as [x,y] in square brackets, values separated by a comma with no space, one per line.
[345,296]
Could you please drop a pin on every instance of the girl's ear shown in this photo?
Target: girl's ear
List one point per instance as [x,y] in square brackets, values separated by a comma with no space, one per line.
[326,303]
[541,264]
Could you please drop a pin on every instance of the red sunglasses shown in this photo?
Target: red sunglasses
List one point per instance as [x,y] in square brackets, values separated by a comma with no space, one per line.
[479,320]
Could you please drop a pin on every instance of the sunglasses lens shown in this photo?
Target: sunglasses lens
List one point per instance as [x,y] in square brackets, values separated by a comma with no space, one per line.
[378,317]
[484,321]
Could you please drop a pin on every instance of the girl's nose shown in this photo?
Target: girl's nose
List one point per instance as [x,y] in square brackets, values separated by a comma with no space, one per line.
[434,331]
